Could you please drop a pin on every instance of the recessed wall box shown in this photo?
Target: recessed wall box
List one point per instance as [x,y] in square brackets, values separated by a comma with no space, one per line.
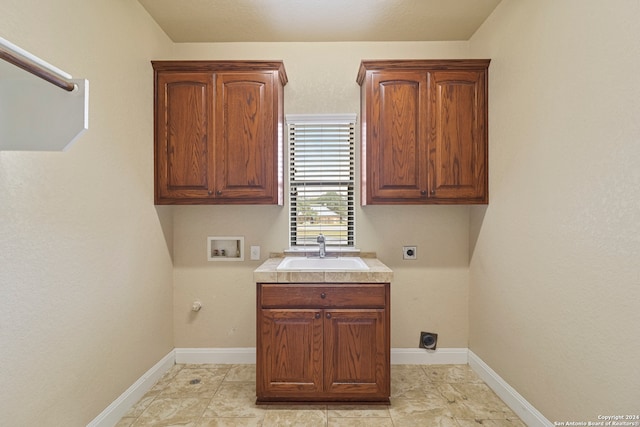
[428,340]
[227,248]
[409,252]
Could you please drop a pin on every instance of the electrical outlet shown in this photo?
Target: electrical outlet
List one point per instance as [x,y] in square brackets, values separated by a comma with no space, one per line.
[255,252]
[409,252]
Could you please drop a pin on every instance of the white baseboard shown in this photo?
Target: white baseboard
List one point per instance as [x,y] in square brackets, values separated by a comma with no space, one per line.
[247,355]
[239,355]
[518,404]
[116,410]
[419,356]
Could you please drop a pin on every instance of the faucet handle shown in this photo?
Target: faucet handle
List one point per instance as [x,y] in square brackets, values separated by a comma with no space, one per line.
[320,238]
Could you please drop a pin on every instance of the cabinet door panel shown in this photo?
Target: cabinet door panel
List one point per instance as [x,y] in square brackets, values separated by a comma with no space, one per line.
[397,143]
[355,358]
[184,124]
[291,352]
[246,149]
[457,156]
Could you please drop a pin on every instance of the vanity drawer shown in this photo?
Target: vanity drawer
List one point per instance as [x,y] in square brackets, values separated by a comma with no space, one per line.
[370,295]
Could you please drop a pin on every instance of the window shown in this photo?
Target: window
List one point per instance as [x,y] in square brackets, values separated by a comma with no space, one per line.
[321,179]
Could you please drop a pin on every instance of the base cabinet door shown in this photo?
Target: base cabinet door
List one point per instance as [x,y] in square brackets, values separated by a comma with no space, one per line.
[355,362]
[290,356]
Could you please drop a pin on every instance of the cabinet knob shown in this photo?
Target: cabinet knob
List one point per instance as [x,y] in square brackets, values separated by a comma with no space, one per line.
[317,315]
[210,192]
[328,315]
[433,192]
[219,193]
[323,295]
[423,192]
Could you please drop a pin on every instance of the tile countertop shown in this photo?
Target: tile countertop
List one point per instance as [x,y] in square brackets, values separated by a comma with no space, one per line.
[378,273]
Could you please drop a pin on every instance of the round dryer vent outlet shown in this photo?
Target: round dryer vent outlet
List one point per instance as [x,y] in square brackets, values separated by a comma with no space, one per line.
[428,340]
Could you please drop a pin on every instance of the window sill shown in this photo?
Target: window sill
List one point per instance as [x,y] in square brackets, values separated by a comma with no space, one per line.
[314,251]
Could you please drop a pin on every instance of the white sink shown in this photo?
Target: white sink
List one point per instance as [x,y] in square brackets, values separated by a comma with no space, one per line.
[322,264]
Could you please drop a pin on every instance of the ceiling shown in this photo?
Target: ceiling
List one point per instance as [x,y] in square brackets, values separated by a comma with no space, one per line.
[318,20]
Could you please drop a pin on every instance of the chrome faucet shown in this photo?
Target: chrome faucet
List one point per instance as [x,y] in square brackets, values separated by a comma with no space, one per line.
[321,244]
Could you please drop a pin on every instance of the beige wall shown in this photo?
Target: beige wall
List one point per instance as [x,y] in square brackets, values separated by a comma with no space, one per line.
[555,276]
[85,270]
[427,294]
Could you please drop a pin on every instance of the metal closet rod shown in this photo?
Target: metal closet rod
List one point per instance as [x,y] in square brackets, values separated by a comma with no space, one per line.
[22,59]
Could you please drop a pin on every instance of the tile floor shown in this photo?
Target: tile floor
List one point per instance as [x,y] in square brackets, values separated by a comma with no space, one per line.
[421,395]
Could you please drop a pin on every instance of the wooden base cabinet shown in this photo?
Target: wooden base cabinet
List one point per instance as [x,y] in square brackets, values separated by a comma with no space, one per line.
[323,343]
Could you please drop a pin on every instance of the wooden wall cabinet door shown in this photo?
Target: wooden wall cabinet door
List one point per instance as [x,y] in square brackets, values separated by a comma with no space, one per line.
[396,105]
[424,131]
[219,136]
[458,144]
[246,149]
[184,133]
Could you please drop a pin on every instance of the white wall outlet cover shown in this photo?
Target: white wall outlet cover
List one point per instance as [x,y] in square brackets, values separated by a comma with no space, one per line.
[255,252]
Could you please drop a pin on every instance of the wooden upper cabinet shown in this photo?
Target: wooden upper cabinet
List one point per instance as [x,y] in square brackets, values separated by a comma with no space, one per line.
[218,137]
[424,131]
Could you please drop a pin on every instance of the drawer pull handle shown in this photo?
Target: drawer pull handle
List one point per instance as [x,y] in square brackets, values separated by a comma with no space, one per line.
[328,315]
[323,295]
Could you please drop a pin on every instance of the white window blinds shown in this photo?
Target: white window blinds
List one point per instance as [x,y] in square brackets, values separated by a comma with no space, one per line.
[321,179]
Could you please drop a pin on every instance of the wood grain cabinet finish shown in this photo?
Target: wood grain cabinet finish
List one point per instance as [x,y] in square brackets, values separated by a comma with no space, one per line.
[424,131]
[323,343]
[219,132]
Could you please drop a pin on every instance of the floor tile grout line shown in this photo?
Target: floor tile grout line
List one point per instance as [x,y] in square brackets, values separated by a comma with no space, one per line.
[159,393]
[216,392]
